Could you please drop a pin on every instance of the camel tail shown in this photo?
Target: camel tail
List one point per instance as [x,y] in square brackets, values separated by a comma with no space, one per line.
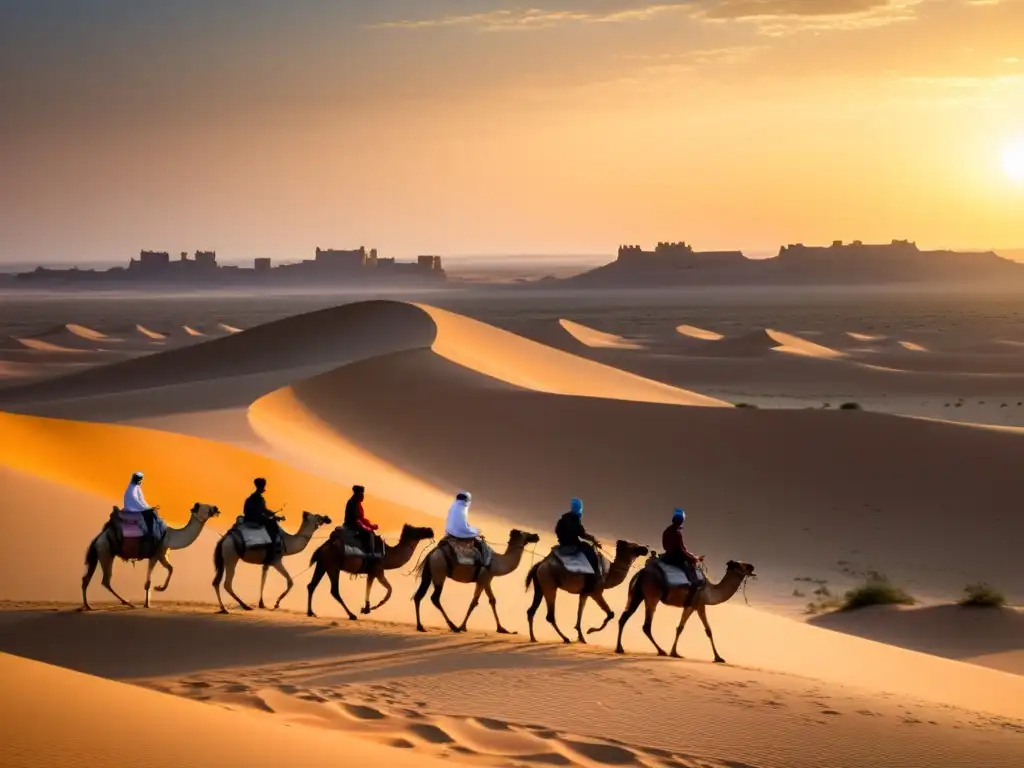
[531,575]
[315,556]
[634,585]
[218,563]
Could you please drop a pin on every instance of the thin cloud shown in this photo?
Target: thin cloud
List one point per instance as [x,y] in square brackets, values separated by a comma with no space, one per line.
[534,18]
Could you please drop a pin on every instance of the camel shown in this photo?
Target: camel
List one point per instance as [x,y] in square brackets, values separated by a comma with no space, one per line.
[330,560]
[550,575]
[226,557]
[107,546]
[435,569]
[648,587]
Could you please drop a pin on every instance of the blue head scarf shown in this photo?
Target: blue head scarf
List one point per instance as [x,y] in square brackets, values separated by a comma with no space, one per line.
[576,507]
[679,516]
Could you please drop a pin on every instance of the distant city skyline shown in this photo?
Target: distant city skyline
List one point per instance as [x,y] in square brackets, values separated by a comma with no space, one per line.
[464,127]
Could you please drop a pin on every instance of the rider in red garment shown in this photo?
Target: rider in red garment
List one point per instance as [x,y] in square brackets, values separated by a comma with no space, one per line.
[355,520]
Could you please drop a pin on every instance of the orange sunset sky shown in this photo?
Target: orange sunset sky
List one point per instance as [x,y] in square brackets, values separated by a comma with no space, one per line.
[266,128]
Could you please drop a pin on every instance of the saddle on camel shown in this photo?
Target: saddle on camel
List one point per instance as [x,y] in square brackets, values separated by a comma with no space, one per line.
[577,549]
[679,567]
[357,536]
[257,527]
[462,543]
[137,529]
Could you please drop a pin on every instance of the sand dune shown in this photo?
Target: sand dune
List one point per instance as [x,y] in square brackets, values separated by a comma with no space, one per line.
[910,346]
[150,334]
[488,700]
[795,345]
[192,331]
[89,334]
[93,715]
[597,339]
[865,336]
[47,346]
[987,636]
[229,328]
[698,333]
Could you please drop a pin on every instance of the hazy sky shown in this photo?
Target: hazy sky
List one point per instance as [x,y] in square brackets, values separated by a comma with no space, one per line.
[266,128]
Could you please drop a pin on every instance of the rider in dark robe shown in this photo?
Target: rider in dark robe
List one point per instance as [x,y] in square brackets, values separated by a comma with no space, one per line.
[256,512]
[571,533]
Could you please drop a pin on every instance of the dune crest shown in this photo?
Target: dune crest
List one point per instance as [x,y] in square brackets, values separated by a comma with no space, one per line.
[865,336]
[150,334]
[596,339]
[192,331]
[795,345]
[912,347]
[46,346]
[88,333]
[524,363]
[698,333]
[229,328]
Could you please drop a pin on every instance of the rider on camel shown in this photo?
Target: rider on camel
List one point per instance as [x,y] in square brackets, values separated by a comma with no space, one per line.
[256,512]
[675,552]
[135,508]
[570,533]
[457,526]
[356,522]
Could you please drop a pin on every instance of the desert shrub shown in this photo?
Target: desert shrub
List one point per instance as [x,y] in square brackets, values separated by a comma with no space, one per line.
[850,407]
[876,590]
[982,595]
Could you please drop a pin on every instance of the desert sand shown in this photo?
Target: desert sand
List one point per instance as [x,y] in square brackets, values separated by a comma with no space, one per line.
[416,402]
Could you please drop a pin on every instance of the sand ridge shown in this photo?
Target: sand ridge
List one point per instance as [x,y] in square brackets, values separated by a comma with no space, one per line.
[592,337]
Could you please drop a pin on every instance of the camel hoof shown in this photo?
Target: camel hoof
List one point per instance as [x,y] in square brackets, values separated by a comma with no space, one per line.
[503,631]
[566,642]
[311,615]
[353,617]
[620,650]
[263,607]
[675,655]
[662,653]
[160,589]
[223,610]
[365,611]
[582,640]
[246,607]
[719,660]
[420,629]
[457,630]
[85,608]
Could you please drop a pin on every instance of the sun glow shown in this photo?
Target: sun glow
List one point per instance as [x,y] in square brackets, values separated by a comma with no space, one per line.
[1013,162]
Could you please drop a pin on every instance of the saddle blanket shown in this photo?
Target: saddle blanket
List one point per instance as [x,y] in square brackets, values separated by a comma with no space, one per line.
[573,560]
[466,552]
[252,535]
[674,577]
[350,542]
[130,529]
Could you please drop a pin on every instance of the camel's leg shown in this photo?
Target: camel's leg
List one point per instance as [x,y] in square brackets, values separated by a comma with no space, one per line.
[314,582]
[387,585]
[229,580]
[107,568]
[91,560]
[702,612]
[435,598]
[538,595]
[370,578]
[550,591]
[335,577]
[579,618]
[421,592]
[494,609]
[263,583]
[150,565]
[609,614]
[278,566]
[636,597]
[165,561]
[687,612]
[477,591]
[650,606]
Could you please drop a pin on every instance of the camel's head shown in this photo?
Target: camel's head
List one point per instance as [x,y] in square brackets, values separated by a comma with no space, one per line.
[744,569]
[412,533]
[204,512]
[316,520]
[630,549]
[522,538]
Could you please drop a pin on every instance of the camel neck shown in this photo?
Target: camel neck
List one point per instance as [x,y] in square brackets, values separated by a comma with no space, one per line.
[724,590]
[508,560]
[179,538]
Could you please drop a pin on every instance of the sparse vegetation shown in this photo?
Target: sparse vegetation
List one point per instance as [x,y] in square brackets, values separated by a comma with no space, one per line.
[850,407]
[876,590]
[982,595]
[746,405]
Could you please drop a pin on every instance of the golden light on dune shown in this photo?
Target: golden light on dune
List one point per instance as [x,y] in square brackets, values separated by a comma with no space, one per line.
[1013,161]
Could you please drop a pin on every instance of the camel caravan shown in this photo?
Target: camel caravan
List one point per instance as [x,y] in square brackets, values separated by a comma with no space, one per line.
[577,564]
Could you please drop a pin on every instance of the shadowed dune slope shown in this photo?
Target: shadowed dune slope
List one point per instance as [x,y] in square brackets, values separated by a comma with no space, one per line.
[797,487]
[56,718]
[180,470]
[992,637]
[327,337]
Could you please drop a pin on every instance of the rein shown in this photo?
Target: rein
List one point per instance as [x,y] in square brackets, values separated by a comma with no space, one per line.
[419,559]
